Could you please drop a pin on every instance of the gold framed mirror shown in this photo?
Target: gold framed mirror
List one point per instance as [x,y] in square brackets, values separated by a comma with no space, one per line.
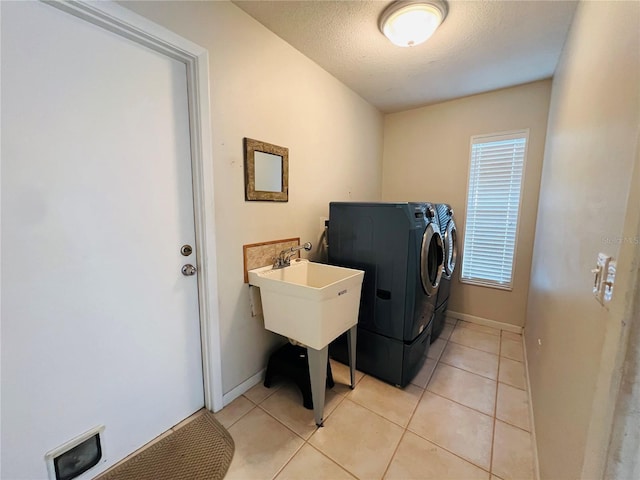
[266,171]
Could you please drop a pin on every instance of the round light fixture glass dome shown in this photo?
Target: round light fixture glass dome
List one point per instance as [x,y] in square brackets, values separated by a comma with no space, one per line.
[408,24]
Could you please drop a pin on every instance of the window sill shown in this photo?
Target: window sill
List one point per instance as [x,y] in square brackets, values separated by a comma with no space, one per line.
[488,284]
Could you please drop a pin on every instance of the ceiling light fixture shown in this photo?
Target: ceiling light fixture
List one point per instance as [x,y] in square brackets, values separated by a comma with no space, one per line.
[410,23]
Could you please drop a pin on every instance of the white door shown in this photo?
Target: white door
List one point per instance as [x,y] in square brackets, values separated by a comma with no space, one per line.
[99,325]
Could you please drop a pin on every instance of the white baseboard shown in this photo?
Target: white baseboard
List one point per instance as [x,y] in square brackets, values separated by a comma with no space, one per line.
[485,321]
[234,393]
[534,443]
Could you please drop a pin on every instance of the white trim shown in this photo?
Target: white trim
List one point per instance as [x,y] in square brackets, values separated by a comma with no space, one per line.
[124,22]
[245,386]
[56,452]
[488,283]
[485,321]
[508,135]
[532,423]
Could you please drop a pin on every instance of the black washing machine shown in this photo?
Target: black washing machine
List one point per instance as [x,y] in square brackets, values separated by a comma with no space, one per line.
[399,246]
[448,231]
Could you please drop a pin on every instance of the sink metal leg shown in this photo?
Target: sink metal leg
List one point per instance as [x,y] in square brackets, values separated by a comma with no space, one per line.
[351,345]
[318,376]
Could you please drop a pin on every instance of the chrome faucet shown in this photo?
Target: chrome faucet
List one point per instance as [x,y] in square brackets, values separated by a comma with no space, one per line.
[284,257]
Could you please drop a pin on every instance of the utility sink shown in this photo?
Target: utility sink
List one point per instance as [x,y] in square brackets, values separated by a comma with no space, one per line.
[312,303]
[309,302]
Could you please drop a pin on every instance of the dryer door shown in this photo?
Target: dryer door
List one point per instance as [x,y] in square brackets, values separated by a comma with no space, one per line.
[450,249]
[431,259]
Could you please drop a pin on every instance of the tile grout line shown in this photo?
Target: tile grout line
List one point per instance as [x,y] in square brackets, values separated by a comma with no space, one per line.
[288,461]
[493,415]
[305,441]
[467,329]
[461,404]
[511,385]
[405,428]
[283,424]
[446,449]
[475,348]
[469,371]
[272,390]
[441,396]
[259,404]
[343,397]
[512,425]
[464,327]
[495,411]
[499,355]
[253,406]
[415,408]
[432,441]
[442,447]
[472,373]
[376,413]
[332,460]
[395,450]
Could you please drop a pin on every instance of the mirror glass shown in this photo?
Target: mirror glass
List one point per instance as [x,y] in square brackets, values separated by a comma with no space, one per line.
[266,171]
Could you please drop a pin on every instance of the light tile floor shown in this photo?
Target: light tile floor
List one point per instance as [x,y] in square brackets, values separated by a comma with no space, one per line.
[464,416]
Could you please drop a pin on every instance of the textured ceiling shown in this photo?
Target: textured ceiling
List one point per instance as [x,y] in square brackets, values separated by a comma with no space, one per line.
[481,46]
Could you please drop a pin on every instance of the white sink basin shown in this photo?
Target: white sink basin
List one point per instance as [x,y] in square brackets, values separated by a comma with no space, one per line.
[309,302]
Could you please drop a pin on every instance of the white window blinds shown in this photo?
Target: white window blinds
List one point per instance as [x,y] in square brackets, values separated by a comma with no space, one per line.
[493,205]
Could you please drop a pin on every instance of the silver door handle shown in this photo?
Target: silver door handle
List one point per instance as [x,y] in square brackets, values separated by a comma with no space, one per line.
[188,270]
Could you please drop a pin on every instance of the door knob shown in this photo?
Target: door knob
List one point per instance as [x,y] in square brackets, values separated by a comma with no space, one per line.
[188,270]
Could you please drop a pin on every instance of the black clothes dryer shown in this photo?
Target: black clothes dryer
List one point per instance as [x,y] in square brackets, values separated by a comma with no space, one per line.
[449,239]
[399,246]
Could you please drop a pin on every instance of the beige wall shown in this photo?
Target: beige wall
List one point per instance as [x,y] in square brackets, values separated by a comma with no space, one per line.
[263,88]
[588,166]
[426,157]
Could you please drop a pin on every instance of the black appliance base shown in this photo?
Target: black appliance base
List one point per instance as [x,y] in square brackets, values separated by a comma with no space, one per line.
[388,359]
[439,320]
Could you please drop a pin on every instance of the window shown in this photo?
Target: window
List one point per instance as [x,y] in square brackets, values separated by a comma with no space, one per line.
[493,204]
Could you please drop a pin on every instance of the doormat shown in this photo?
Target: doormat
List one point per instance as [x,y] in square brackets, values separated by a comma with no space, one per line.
[201,450]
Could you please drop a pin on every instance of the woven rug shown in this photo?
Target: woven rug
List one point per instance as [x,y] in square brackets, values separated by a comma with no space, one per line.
[201,450]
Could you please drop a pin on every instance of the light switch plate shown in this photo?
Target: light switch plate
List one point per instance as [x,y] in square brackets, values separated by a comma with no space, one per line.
[610,279]
[601,276]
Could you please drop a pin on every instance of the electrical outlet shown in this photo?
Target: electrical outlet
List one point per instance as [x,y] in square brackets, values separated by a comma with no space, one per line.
[321,223]
[324,241]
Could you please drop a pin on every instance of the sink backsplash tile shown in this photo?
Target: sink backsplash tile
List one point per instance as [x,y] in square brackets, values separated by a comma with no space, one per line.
[258,255]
